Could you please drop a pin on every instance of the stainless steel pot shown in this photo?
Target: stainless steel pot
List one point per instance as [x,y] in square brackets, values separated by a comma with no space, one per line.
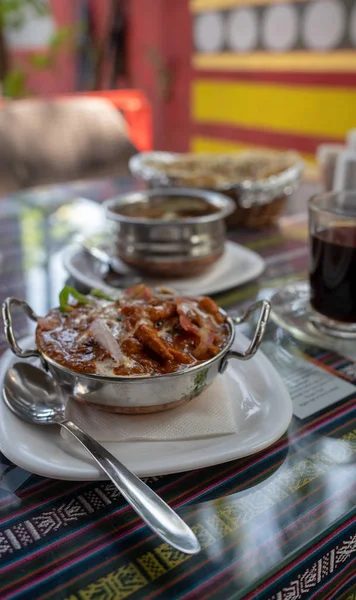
[173,248]
[140,394]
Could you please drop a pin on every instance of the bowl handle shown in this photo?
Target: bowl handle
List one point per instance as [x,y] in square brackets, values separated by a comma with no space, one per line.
[264,307]
[9,330]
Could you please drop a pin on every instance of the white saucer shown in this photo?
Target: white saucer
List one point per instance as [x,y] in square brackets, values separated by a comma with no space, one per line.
[238,265]
[261,405]
[291,311]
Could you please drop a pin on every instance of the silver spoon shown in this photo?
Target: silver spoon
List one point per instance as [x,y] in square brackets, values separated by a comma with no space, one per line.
[35,397]
[113,276]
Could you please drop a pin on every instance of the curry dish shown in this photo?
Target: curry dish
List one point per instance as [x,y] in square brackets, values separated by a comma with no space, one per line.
[168,208]
[143,333]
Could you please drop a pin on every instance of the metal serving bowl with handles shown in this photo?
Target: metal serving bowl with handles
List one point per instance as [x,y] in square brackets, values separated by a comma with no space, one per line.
[169,248]
[140,394]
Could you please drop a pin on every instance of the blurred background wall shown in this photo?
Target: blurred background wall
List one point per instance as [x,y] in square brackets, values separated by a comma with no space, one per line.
[34,37]
[281,75]
[77,31]
[220,74]
[243,73]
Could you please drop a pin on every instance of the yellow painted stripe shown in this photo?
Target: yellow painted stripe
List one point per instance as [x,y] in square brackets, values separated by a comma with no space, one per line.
[343,61]
[206,5]
[201,143]
[318,110]
[207,144]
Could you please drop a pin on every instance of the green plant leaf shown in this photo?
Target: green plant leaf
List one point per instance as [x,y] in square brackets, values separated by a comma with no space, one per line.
[15,13]
[60,37]
[41,61]
[14,84]
[41,7]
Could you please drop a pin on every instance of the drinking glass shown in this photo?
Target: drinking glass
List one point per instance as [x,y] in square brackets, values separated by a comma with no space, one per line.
[332,262]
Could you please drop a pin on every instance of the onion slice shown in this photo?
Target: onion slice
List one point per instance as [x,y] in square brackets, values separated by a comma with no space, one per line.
[188,325]
[185,310]
[102,334]
[206,341]
[50,322]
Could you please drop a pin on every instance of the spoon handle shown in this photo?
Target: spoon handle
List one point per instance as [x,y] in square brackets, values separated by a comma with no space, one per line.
[150,507]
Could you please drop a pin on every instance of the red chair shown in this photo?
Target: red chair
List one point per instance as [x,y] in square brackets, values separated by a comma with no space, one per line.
[85,139]
[136,110]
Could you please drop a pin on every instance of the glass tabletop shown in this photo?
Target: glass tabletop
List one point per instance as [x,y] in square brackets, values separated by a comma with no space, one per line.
[278,523]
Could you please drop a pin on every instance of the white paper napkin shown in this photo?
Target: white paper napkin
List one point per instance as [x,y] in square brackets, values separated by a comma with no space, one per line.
[209,415]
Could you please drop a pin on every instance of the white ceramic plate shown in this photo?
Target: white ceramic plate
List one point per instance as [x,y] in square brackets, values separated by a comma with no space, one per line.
[238,265]
[261,405]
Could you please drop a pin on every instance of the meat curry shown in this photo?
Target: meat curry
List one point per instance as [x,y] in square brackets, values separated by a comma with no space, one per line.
[142,333]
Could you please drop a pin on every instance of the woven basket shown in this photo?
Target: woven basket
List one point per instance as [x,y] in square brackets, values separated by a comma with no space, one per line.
[258,203]
[257,216]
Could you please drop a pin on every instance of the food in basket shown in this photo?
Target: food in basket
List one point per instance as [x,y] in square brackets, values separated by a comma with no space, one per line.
[258,181]
[143,332]
[216,171]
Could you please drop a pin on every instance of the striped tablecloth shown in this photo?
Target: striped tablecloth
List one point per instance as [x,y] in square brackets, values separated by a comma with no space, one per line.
[279,525]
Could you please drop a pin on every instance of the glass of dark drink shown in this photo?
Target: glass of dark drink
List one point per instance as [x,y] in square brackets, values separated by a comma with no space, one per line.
[332,262]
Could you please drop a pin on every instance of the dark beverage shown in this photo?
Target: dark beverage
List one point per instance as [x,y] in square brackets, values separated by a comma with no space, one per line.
[333,273]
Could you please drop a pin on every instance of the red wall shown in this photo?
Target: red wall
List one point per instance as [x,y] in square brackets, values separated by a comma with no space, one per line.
[165,27]
[62,79]
[162,26]
[145,27]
